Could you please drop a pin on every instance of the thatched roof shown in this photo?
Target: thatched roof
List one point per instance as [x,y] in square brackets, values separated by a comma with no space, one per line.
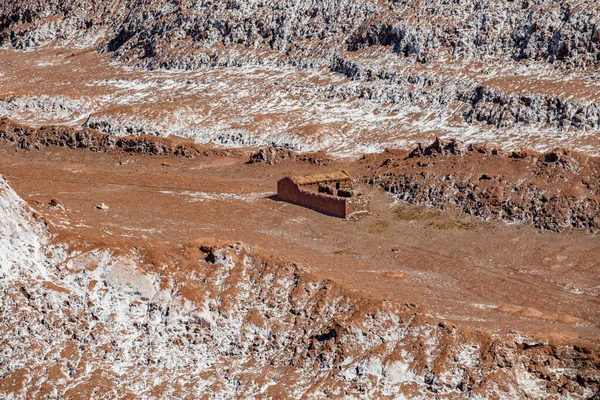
[340,175]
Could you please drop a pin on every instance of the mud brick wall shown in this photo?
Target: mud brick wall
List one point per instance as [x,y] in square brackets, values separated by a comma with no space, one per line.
[357,204]
[288,190]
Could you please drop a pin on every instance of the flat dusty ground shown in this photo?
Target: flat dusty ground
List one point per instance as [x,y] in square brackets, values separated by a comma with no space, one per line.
[484,275]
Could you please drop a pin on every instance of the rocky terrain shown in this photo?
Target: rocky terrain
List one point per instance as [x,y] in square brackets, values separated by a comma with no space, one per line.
[222,320]
[144,253]
[29,138]
[539,30]
[370,73]
[555,190]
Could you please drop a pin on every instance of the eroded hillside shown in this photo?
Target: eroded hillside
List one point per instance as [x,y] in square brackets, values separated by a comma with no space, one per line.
[556,190]
[144,252]
[313,75]
[213,319]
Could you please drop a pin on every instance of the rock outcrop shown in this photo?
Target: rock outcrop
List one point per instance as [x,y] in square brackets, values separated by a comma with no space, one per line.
[274,155]
[554,191]
[90,139]
[162,33]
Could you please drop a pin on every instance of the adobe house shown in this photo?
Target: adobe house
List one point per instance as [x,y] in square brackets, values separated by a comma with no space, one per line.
[330,193]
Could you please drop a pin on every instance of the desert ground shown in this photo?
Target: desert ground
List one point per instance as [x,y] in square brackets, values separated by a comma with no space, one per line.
[145,252]
[477,274]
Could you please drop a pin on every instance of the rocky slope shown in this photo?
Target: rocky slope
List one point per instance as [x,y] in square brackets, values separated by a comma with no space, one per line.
[29,138]
[222,320]
[555,190]
[503,71]
[522,30]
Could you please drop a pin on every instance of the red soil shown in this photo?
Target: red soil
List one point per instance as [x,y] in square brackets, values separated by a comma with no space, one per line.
[485,275]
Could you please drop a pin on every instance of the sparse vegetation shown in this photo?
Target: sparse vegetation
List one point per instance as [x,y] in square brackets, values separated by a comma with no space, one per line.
[415,213]
[379,226]
[445,220]
[346,252]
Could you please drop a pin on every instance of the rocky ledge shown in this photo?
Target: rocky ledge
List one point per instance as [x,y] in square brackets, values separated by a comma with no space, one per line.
[556,190]
[28,138]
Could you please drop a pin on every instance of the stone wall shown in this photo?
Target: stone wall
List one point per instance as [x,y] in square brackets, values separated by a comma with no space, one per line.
[357,204]
[288,190]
